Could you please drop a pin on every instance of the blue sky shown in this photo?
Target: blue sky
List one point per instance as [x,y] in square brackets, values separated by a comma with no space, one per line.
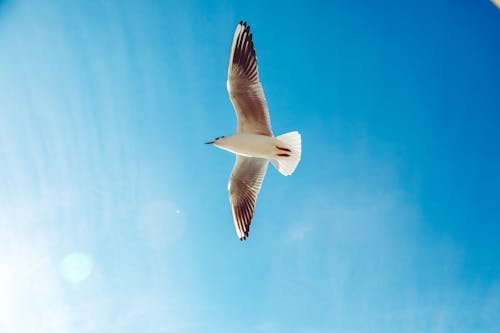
[114,217]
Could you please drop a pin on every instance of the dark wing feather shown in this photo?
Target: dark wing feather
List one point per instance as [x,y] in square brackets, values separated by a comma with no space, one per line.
[244,186]
[244,87]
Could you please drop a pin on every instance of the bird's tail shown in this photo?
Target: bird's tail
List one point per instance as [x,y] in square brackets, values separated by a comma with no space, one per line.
[288,151]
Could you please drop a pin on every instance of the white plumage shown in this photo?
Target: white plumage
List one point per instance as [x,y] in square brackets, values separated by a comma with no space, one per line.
[253,143]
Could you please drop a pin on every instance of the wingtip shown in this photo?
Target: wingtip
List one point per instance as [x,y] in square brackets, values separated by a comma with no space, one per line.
[244,24]
[244,236]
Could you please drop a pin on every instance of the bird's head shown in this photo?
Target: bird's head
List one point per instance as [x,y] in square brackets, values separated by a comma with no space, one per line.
[215,141]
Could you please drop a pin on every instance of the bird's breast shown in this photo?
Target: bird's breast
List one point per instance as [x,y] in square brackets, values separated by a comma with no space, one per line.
[252,145]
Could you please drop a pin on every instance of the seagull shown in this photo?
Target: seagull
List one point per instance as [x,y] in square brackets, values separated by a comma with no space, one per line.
[253,143]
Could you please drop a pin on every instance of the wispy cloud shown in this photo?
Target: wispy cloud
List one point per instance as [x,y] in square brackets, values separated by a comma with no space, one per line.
[297,233]
[266,326]
[376,255]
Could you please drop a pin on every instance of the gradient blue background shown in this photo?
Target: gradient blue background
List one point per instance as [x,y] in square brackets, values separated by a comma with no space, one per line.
[114,217]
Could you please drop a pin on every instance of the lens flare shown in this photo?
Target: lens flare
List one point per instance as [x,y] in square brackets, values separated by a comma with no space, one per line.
[76,267]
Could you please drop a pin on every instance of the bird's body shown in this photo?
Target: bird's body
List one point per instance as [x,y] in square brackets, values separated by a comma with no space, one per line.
[253,143]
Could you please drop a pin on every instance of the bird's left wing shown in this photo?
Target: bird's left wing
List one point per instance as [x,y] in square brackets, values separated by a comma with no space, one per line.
[244,186]
[244,87]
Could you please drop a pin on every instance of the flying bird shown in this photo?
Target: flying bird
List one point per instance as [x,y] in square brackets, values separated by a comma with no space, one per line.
[253,143]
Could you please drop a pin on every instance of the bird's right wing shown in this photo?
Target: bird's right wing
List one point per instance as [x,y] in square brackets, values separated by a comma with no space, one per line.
[244,87]
[244,186]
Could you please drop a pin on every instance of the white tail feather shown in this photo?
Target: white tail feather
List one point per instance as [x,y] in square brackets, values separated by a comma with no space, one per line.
[290,149]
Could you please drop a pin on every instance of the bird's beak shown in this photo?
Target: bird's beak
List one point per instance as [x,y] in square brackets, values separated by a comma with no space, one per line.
[209,143]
